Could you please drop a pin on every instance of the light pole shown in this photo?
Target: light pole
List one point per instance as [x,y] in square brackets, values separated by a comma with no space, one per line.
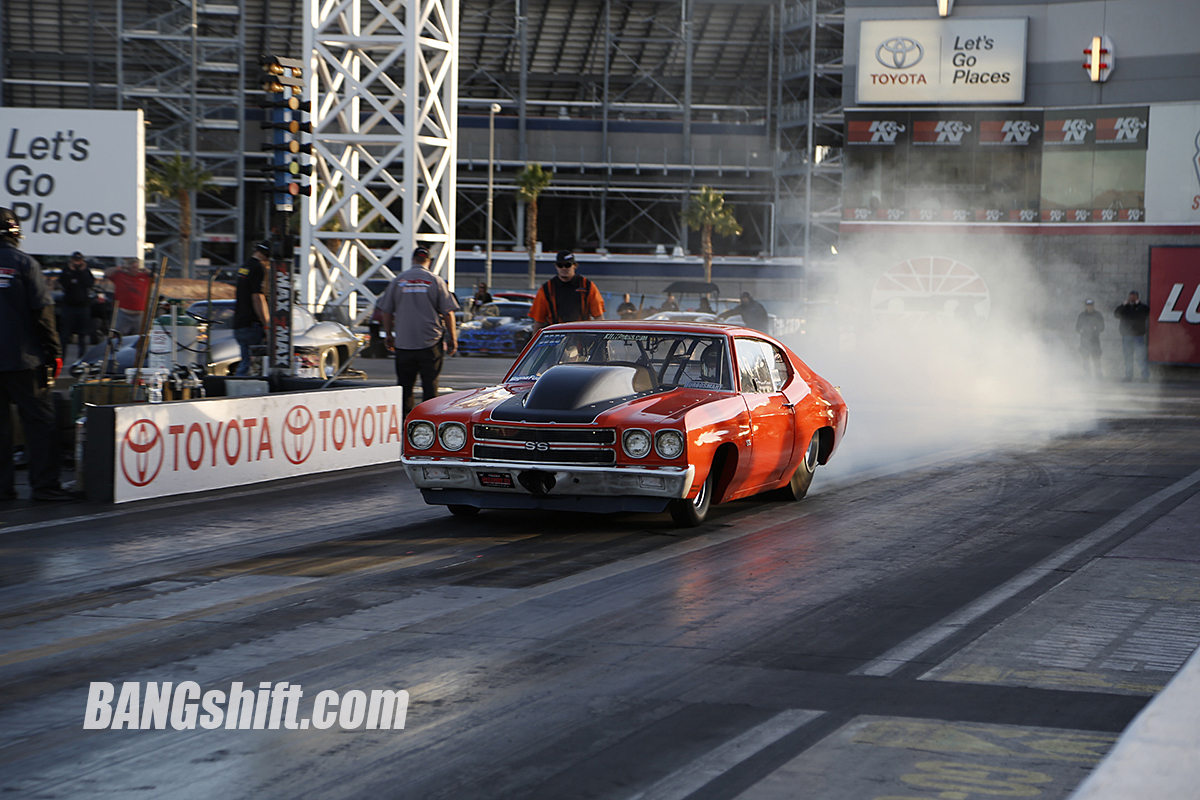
[487,265]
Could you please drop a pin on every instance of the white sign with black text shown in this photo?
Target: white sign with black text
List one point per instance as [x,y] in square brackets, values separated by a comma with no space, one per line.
[1173,163]
[75,179]
[913,61]
[174,448]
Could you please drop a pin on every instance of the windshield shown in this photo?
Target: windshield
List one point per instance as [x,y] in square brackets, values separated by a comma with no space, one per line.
[676,359]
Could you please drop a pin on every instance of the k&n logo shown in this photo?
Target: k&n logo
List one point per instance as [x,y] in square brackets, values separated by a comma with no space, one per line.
[1019,130]
[885,130]
[1074,130]
[951,130]
[1127,128]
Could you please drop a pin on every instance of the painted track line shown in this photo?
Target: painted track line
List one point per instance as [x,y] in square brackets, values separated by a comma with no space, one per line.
[687,780]
[907,651]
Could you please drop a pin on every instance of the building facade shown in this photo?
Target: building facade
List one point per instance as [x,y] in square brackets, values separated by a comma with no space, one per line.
[1041,147]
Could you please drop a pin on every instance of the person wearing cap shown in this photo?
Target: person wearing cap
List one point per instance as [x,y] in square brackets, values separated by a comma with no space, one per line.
[30,359]
[567,297]
[131,285]
[1090,324]
[250,314]
[421,308]
[752,313]
[75,309]
[1134,316]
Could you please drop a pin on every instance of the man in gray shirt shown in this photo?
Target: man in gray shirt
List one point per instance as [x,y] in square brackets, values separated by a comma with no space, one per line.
[418,320]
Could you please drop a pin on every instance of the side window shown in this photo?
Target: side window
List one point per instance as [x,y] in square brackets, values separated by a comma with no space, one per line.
[754,365]
[779,367]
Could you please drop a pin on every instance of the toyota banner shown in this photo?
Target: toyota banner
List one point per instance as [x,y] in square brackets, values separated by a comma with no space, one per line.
[915,61]
[173,448]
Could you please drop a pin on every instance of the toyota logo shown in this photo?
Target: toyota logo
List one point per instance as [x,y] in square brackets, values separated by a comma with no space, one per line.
[899,52]
[299,434]
[142,452]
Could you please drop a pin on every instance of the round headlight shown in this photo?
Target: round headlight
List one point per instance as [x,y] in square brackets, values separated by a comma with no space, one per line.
[421,434]
[452,436]
[636,443]
[669,444]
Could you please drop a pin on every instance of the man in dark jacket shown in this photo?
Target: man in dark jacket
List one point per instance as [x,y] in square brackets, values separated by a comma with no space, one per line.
[250,314]
[30,359]
[752,313]
[1089,325]
[1134,316]
[76,308]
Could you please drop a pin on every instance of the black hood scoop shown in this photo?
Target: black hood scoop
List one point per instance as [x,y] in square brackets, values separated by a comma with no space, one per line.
[578,393]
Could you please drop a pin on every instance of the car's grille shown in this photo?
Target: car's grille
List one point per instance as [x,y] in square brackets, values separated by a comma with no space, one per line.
[506,433]
[596,455]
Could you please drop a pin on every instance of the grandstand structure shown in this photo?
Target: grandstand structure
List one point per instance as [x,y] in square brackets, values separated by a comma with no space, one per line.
[633,105]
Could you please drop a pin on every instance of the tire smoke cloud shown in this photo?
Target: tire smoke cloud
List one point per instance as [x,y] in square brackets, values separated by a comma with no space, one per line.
[948,342]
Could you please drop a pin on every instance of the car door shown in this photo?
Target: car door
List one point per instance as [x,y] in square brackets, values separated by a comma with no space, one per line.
[763,372]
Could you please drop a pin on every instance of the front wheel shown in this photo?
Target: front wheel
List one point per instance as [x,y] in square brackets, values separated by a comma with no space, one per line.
[797,487]
[330,362]
[690,513]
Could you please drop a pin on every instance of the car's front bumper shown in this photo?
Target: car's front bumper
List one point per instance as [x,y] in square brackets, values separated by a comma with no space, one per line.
[548,486]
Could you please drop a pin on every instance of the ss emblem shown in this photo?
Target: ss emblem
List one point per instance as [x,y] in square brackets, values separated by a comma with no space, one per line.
[536,446]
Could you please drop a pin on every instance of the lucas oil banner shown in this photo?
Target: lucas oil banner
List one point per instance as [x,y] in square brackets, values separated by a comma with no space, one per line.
[173,448]
[1175,305]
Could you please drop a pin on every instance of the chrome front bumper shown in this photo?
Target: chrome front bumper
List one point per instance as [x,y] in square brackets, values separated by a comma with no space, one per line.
[570,480]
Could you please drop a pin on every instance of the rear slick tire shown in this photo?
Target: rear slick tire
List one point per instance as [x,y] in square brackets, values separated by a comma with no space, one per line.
[797,487]
[463,511]
[690,513]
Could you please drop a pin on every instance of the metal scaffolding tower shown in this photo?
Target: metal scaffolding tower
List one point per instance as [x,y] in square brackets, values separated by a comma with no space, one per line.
[631,104]
[384,92]
[809,134]
[183,63]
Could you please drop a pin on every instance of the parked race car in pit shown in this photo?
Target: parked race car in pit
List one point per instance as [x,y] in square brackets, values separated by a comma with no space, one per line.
[621,416]
[497,329]
[320,346]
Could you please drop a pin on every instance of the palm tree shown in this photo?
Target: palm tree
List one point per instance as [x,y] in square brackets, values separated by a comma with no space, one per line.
[177,177]
[707,212]
[531,182]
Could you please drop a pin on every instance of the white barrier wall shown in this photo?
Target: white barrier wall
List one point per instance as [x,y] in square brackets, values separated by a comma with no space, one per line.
[174,448]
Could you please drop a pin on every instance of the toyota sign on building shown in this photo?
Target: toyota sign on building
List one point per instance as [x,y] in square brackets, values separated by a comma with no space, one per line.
[914,62]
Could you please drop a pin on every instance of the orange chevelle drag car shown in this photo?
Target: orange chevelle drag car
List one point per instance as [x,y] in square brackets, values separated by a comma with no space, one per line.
[620,416]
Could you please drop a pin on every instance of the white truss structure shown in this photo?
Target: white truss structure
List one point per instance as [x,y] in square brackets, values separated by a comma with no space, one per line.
[384,87]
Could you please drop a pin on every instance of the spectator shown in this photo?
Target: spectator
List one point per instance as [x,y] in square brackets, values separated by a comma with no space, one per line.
[424,308]
[1090,324]
[705,307]
[30,360]
[131,284]
[567,297]
[481,298]
[1133,315]
[752,312]
[76,282]
[627,310]
[250,314]
[670,304]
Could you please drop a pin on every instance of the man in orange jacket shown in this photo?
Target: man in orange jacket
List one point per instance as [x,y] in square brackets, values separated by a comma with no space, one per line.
[568,297]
